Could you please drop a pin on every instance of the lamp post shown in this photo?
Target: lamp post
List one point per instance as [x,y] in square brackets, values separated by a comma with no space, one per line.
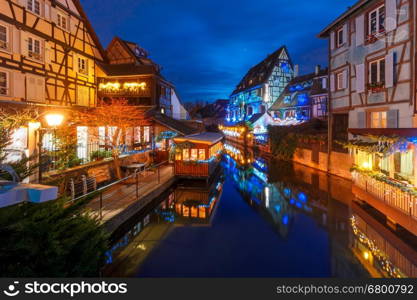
[53,120]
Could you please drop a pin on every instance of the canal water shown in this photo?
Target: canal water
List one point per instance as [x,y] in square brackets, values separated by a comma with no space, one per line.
[259,218]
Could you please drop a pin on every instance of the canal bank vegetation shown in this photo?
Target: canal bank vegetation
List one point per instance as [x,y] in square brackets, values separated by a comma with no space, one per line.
[50,240]
[286,139]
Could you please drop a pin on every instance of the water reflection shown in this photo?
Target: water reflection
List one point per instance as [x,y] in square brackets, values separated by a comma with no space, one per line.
[319,230]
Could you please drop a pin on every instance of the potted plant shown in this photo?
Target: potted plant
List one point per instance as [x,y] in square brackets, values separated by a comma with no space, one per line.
[376,87]
[100,155]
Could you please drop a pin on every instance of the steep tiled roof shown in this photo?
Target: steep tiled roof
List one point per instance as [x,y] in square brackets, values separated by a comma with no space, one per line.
[128,69]
[260,73]
[173,124]
[310,84]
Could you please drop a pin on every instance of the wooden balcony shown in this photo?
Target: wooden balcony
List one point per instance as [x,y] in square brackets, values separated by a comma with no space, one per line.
[388,194]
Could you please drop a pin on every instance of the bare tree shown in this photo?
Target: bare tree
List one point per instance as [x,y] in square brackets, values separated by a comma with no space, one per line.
[117,114]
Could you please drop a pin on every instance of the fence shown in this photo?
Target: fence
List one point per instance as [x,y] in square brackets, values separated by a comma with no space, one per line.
[387,193]
[111,198]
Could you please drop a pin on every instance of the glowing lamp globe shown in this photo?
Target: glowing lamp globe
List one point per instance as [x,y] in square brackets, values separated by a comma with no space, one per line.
[54,120]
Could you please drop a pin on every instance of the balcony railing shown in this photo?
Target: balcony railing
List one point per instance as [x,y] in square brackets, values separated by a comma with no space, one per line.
[389,194]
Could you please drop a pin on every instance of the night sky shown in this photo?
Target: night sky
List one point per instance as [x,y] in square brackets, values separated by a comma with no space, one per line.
[205,47]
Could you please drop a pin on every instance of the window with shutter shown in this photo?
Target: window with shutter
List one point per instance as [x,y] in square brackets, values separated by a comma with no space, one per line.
[4,37]
[376,75]
[378,119]
[340,37]
[4,83]
[62,21]
[82,65]
[340,81]
[34,6]
[34,48]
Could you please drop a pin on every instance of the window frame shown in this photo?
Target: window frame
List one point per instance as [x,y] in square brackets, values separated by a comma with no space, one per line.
[337,75]
[338,31]
[32,7]
[33,46]
[7,87]
[376,9]
[83,71]
[7,42]
[379,77]
[380,111]
[60,15]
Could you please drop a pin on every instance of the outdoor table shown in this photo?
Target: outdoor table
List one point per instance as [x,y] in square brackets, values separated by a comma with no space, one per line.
[135,167]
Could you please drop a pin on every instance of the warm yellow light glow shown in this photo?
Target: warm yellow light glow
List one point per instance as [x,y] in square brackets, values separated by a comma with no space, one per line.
[54,120]
[366,255]
[34,125]
[109,86]
[134,85]
[366,165]
[115,86]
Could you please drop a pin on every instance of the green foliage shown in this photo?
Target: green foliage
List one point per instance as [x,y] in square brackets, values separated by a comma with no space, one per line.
[284,140]
[383,178]
[10,121]
[50,240]
[100,154]
[165,135]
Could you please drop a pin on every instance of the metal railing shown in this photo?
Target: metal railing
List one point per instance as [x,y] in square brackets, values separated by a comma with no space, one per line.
[387,193]
[128,187]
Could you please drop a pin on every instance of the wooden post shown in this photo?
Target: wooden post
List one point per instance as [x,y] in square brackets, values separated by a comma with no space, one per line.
[137,186]
[101,206]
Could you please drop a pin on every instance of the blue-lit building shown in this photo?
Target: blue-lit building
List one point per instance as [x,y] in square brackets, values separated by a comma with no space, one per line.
[260,87]
[304,98]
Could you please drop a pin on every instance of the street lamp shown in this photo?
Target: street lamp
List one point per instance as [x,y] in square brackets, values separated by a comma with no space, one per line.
[54,120]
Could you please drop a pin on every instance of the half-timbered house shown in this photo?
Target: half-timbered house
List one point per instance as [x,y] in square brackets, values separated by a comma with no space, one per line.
[372,96]
[257,91]
[304,98]
[48,58]
[130,74]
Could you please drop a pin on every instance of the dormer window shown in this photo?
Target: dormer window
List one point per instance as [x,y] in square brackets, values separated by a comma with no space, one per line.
[34,6]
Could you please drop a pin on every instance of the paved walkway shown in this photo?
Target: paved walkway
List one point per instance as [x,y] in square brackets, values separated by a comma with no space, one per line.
[119,197]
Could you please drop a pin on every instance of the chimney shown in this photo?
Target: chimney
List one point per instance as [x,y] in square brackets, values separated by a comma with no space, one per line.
[296,70]
[317,69]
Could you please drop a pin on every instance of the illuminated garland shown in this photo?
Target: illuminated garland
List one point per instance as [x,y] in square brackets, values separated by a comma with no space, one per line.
[385,145]
[382,178]
[383,260]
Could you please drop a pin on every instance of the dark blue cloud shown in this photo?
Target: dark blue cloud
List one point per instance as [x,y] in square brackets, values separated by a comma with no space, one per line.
[206,46]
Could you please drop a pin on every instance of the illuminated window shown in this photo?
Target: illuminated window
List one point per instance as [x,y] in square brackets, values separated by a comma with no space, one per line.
[178,156]
[147,134]
[34,6]
[137,135]
[4,83]
[185,154]
[201,154]
[102,136]
[194,154]
[378,119]
[376,19]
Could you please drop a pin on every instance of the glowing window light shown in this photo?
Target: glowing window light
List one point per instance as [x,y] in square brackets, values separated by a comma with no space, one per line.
[54,120]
